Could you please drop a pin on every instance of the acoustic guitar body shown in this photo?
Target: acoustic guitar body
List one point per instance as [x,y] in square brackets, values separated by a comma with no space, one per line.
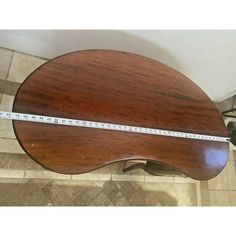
[121,88]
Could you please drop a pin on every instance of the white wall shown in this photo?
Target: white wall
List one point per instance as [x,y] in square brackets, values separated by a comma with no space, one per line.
[206,57]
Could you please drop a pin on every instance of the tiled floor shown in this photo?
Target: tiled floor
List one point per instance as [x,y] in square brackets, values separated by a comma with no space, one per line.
[24,182]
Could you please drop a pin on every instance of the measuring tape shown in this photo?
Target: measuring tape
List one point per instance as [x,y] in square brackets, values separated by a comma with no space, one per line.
[106,126]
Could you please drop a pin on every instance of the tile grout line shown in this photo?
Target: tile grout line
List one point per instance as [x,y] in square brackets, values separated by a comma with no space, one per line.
[24,174]
[25,53]
[8,69]
[10,64]
[8,138]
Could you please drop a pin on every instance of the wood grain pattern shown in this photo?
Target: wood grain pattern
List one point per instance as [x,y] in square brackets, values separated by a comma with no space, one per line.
[122,88]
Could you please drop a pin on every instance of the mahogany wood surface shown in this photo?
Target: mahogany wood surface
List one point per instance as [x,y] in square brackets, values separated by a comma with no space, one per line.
[123,88]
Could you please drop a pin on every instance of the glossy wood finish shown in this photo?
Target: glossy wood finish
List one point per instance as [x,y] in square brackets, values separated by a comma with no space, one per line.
[123,88]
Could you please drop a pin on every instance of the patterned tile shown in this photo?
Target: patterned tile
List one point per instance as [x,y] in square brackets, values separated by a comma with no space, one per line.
[137,198]
[119,200]
[152,199]
[111,190]
[51,190]
[82,199]
[88,193]
[22,195]
[186,194]
[102,200]
[93,191]
[126,189]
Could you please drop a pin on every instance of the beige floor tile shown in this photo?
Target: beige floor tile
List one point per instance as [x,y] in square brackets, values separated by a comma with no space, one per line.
[219,198]
[16,161]
[10,146]
[234,155]
[135,178]
[85,183]
[205,194]
[184,180]
[9,87]
[220,182]
[231,175]
[32,165]
[152,199]
[6,129]
[7,102]
[88,176]
[11,161]
[32,195]
[24,195]
[52,189]
[22,65]
[4,173]
[233,198]
[160,198]
[4,160]
[158,179]
[13,180]
[231,155]
[137,198]
[5,60]
[127,188]
[45,175]
[98,183]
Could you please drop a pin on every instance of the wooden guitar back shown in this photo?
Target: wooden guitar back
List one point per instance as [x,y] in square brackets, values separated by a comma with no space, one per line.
[122,88]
